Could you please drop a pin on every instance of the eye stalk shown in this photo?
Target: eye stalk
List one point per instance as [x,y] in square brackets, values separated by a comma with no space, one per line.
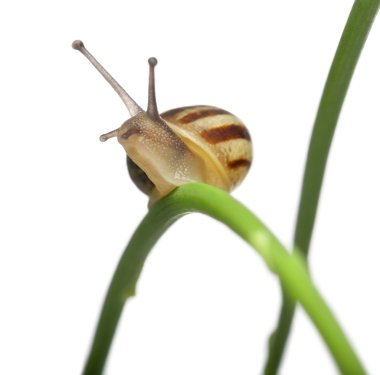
[152,103]
[132,106]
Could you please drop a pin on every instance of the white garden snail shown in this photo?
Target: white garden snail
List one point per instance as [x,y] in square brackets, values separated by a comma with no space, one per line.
[188,144]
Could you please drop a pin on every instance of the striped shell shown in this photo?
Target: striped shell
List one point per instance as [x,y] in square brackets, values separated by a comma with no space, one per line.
[219,138]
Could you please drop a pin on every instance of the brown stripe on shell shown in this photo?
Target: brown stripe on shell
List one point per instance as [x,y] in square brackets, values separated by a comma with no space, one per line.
[225,133]
[176,111]
[237,163]
[202,113]
[129,132]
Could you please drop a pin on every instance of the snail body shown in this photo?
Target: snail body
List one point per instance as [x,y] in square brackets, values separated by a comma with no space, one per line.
[189,144]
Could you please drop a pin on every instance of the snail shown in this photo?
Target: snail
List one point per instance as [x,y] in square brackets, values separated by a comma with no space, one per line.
[188,144]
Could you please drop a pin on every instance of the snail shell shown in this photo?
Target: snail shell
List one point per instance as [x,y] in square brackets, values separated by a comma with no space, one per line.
[219,138]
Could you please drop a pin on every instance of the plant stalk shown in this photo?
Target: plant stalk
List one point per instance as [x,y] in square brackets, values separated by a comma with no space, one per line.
[290,268]
[351,43]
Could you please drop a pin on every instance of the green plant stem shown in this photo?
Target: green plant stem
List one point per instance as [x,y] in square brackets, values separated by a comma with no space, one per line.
[221,206]
[351,43]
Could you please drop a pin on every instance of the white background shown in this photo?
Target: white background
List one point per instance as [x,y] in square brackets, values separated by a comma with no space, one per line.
[206,302]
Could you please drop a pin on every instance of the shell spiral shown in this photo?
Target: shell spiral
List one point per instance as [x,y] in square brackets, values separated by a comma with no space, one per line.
[218,138]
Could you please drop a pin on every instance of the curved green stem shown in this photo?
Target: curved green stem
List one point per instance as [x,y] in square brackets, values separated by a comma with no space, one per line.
[352,41]
[221,206]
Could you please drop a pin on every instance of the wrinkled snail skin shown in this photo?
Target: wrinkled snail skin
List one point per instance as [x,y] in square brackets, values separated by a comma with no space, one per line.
[188,144]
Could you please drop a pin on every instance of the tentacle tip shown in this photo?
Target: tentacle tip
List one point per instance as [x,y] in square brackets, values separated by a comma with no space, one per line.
[152,61]
[77,44]
[103,138]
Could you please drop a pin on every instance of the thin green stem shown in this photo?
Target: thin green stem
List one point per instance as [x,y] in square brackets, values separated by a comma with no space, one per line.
[218,204]
[351,43]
